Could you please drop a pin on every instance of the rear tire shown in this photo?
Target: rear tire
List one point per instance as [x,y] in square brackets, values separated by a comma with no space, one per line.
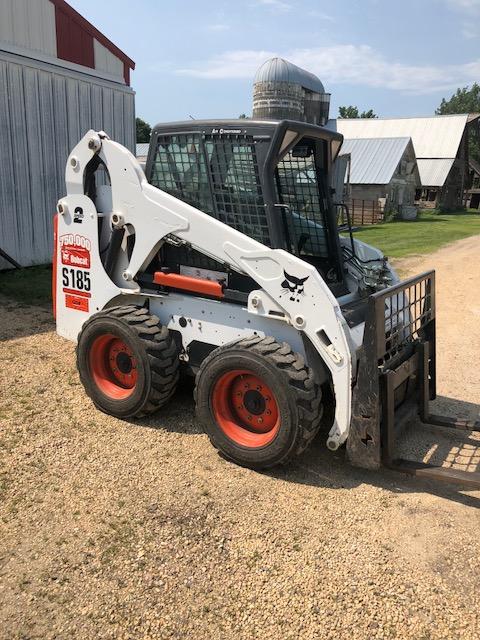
[128,363]
[259,403]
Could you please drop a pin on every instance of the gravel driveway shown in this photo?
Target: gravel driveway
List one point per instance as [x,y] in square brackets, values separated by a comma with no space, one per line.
[112,529]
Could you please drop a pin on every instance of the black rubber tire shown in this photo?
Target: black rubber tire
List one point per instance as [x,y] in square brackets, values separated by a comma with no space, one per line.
[155,352]
[298,396]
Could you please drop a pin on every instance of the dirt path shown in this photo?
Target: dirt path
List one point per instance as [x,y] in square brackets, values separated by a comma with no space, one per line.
[112,529]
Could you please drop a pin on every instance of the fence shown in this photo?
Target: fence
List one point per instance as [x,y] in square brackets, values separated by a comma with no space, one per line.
[363,212]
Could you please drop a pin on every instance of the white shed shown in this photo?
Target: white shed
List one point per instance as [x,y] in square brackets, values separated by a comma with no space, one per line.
[59,77]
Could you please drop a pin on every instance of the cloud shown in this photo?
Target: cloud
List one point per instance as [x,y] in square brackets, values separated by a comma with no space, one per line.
[464,5]
[218,27]
[343,64]
[275,4]
[321,15]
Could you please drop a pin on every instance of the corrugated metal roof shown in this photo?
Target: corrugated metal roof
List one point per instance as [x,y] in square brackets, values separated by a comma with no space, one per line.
[434,172]
[374,160]
[141,150]
[280,70]
[432,136]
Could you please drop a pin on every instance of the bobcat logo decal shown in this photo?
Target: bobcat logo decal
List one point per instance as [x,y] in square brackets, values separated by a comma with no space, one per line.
[293,286]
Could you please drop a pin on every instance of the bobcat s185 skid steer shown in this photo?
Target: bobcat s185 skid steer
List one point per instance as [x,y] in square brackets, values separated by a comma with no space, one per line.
[225,259]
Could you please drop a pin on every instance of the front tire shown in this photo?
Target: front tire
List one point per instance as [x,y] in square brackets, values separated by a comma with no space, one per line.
[258,401]
[128,363]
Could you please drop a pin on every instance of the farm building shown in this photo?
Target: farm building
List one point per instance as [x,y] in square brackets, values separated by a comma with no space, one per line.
[383,172]
[141,152]
[59,77]
[473,193]
[441,148]
[281,90]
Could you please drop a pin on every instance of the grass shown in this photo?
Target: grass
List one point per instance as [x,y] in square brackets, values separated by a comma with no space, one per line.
[427,234]
[28,286]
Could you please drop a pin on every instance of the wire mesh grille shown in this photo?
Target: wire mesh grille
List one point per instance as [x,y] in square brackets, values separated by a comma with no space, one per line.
[404,314]
[236,187]
[299,188]
[179,168]
[218,176]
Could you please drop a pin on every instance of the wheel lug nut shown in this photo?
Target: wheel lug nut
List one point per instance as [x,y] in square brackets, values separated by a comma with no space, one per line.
[260,420]
[249,417]
[268,412]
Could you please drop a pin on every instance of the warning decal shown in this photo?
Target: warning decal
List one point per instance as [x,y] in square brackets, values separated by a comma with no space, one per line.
[76,302]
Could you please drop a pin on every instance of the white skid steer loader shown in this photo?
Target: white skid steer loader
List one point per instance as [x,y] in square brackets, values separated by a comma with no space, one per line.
[225,259]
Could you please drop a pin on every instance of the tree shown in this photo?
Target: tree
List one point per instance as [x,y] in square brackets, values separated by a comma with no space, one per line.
[352,112]
[243,116]
[465,100]
[143,130]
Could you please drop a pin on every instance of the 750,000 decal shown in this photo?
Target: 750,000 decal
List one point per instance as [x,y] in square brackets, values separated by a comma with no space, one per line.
[75,254]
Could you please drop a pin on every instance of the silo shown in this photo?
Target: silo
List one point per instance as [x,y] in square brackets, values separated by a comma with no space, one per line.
[283,90]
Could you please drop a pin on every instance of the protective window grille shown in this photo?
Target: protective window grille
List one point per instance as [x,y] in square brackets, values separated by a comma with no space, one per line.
[300,189]
[405,313]
[179,168]
[236,187]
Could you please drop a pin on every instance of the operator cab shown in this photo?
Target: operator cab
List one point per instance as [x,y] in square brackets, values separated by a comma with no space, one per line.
[269,180]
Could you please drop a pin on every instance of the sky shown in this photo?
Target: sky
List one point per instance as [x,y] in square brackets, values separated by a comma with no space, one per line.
[198,59]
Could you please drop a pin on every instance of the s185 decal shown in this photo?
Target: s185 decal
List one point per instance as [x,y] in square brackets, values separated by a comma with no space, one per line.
[76,279]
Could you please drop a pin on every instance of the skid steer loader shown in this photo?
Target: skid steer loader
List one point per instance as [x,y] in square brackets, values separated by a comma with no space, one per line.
[225,259]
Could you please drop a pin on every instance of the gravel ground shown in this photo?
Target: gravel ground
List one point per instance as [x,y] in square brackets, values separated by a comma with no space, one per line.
[112,529]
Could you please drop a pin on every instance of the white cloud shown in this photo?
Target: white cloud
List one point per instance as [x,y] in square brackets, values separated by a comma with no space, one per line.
[220,26]
[464,5]
[275,4]
[321,15]
[344,64]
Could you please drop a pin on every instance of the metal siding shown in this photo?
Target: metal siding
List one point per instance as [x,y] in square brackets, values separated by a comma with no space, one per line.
[43,114]
[374,160]
[105,60]
[433,173]
[29,24]
[7,175]
[432,137]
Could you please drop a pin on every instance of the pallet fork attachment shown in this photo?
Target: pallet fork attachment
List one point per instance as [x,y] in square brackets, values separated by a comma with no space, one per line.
[397,378]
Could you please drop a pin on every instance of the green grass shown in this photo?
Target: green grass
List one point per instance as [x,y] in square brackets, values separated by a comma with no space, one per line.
[28,286]
[427,234]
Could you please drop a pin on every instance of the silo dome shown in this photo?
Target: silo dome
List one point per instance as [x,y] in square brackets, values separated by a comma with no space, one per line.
[280,70]
[281,90]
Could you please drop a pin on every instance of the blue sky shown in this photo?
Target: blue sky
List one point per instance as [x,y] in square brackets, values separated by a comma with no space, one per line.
[199,58]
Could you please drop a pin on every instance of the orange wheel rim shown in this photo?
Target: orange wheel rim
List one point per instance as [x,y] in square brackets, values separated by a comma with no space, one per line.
[113,366]
[245,408]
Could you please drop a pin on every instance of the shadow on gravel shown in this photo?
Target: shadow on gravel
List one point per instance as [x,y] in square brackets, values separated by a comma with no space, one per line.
[19,320]
[319,467]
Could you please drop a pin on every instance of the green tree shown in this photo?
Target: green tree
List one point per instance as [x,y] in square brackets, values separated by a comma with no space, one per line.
[352,112]
[143,130]
[465,100]
[243,116]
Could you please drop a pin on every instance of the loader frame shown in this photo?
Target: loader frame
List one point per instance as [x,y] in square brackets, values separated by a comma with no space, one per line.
[397,378]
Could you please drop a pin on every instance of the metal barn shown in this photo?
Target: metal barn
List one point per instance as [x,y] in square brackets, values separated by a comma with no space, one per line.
[59,77]
[441,148]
